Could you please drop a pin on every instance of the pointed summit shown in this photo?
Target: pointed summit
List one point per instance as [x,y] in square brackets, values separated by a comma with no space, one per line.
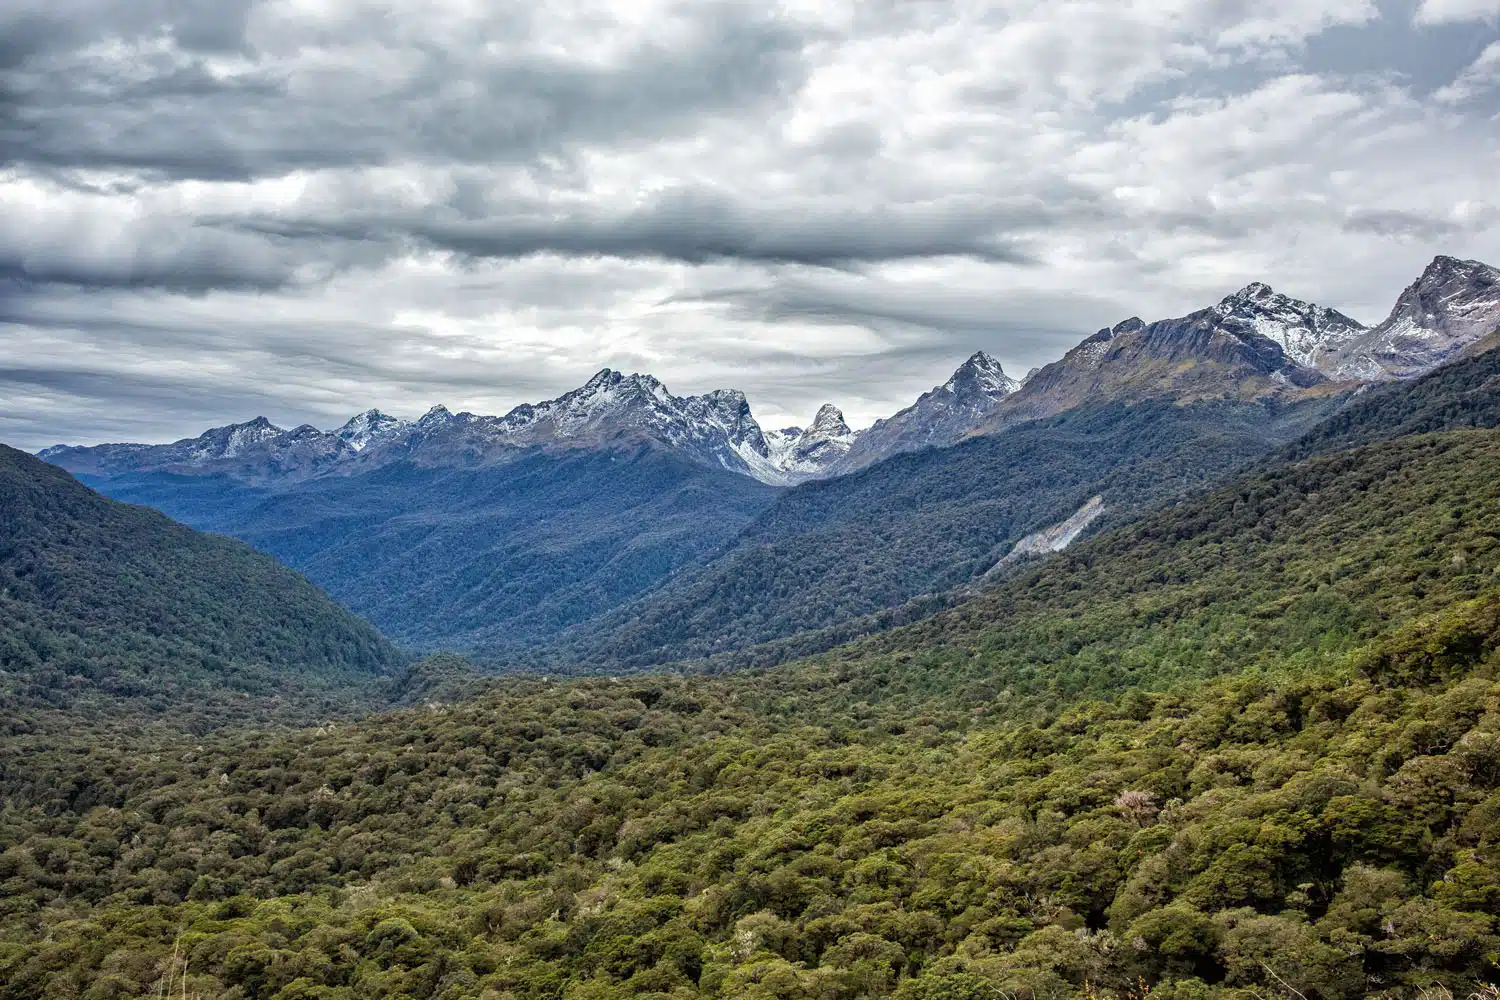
[981,374]
[1305,332]
[829,421]
[940,417]
[439,414]
[1453,305]
[1253,292]
[805,454]
[603,378]
[363,429]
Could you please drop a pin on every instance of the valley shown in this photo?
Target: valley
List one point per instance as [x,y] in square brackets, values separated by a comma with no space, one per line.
[864,735]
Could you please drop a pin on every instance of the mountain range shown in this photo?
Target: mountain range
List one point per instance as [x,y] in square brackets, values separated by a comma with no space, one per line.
[621,525]
[1254,343]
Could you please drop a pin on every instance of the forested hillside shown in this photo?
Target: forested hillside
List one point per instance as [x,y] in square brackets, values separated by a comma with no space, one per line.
[1296,564]
[114,608]
[921,523]
[1251,743]
[458,558]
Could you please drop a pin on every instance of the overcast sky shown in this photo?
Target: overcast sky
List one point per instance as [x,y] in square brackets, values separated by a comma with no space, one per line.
[214,209]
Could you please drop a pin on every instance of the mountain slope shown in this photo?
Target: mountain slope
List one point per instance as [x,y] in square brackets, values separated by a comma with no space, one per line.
[459,558]
[1461,394]
[939,417]
[919,523]
[1221,352]
[1454,304]
[100,600]
[1301,562]
[938,815]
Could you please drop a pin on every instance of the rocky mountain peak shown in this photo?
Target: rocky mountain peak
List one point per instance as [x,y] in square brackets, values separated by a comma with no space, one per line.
[1306,333]
[1443,268]
[829,421]
[981,375]
[806,453]
[1254,291]
[363,429]
[1454,304]
[603,379]
[727,410]
[939,417]
[434,417]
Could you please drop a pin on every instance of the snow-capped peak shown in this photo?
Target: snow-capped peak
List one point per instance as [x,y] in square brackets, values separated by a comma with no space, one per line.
[829,422]
[804,453]
[1305,332]
[232,440]
[365,428]
[1454,304]
[436,416]
[1444,268]
[729,411]
[981,375]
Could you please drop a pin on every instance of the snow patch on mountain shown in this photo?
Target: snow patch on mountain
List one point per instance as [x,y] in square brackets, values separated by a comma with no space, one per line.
[366,428]
[1305,332]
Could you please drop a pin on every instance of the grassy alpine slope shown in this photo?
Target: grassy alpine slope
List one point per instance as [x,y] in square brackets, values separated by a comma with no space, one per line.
[108,608]
[1250,744]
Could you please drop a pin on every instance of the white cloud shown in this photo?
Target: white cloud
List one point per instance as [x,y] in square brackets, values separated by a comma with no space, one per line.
[1478,78]
[1448,11]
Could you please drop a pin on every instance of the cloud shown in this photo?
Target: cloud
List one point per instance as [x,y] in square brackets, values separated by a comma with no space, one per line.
[306,207]
[260,89]
[697,226]
[1478,78]
[1449,11]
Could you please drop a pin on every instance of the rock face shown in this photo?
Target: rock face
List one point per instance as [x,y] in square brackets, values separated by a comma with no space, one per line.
[1453,305]
[807,453]
[942,416]
[1054,538]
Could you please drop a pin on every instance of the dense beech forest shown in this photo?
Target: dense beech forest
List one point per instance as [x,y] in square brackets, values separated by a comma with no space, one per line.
[114,612]
[1248,746]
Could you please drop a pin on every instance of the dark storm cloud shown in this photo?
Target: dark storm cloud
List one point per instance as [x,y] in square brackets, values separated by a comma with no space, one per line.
[695,226]
[191,263]
[170,111]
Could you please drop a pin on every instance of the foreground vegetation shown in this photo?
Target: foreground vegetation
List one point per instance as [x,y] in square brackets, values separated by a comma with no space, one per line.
[1333,834]
[1247,746]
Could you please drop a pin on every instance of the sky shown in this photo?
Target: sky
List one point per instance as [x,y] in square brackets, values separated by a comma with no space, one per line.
[216,209]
